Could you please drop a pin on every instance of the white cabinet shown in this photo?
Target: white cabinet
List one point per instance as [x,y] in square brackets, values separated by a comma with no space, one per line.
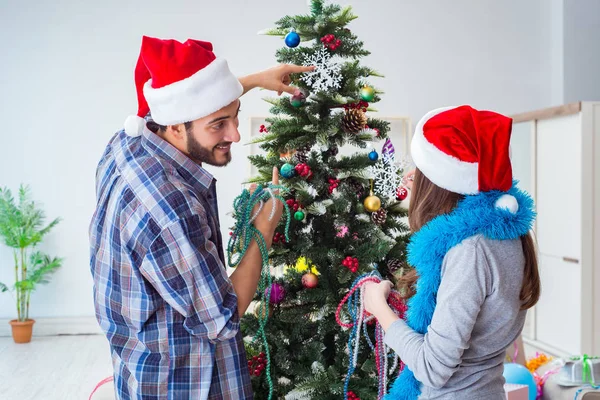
[556,156]
[558,316]
[559,186]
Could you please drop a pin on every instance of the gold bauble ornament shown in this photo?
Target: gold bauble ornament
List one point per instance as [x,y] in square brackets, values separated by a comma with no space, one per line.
[367,93]
[372,203]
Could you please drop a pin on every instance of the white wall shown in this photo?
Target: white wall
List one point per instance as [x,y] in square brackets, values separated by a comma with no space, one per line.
[556,48]
[66,79]
[581,50]
[574,55]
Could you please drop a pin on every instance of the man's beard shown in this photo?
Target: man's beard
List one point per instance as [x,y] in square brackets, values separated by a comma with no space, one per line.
[201,154]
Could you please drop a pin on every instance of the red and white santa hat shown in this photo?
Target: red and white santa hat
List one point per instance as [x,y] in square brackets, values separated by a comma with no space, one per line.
[465,151]
[180,82]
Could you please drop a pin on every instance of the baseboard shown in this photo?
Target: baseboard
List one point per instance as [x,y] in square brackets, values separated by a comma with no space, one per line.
[58,326]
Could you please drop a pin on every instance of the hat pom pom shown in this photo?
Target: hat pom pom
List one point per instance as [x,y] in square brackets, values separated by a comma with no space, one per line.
[508,202]
[134,125]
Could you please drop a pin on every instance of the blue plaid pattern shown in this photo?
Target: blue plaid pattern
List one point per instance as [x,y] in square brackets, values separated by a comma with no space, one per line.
[161,291]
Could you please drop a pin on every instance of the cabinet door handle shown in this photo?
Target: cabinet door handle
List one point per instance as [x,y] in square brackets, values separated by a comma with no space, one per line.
[571,260]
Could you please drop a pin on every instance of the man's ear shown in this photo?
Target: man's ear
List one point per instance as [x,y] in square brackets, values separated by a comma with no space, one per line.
[178,131]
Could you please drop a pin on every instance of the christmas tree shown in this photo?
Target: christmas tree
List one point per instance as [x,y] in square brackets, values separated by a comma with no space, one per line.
[344,223]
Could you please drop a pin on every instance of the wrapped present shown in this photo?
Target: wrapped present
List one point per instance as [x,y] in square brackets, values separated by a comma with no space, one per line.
[516,392]
[580,370]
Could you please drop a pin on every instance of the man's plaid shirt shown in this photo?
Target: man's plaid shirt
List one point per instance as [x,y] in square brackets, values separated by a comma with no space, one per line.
[161,291]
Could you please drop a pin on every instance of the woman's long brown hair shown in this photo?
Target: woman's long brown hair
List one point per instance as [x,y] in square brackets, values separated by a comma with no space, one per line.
[427,202]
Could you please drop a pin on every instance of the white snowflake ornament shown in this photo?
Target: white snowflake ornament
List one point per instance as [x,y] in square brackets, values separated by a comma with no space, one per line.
[387,176]
[327,74]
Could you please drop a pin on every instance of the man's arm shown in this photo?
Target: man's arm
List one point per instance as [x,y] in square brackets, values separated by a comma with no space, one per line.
[276,78]
[247,274]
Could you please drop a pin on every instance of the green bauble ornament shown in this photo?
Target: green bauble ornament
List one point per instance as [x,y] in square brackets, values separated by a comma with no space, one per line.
[367,93]
[299,215]
[299,99]
[287,171]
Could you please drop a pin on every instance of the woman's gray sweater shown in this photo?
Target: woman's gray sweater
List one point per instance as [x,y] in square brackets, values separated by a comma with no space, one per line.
[476,318]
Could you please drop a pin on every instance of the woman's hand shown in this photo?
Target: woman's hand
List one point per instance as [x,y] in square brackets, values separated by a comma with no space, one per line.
[376,295]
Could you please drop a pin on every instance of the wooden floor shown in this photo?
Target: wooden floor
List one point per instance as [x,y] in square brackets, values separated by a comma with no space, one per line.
[69,367]
[55,368]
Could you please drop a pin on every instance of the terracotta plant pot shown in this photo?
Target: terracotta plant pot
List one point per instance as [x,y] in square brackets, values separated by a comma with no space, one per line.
[21,331]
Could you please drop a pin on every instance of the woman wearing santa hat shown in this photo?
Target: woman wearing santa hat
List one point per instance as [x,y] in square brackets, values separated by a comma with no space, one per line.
[475,266]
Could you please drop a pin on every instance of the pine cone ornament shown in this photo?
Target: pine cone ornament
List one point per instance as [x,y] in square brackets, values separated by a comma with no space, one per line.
[394,265]
[302,157]
[379,216]
[333,151]
[354,120]
[357,187]
[305,148]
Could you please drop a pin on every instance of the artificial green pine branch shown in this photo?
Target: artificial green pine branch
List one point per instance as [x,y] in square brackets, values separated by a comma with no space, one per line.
[310,349]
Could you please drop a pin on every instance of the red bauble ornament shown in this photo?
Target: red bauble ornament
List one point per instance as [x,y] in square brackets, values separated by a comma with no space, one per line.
[327,39]
[361,105]
[401,193]
[331,42]
[303,170]
[293,204]
[352,396]
[333,184]
[351,263]
[257,364]
[310,280]
[279,238]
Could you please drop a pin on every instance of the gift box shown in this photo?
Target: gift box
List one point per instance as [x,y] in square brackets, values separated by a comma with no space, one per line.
[516,392]
[580,370]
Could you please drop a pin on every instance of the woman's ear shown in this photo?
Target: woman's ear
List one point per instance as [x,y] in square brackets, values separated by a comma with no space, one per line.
[407,179]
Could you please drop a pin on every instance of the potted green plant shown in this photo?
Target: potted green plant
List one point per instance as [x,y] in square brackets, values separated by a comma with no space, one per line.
[22,229]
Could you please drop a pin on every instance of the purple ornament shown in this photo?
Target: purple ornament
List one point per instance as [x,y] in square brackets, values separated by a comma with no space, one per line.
[277,293]
[388,148]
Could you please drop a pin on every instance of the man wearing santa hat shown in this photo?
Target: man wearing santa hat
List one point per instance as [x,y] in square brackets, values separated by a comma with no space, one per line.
[162,294]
